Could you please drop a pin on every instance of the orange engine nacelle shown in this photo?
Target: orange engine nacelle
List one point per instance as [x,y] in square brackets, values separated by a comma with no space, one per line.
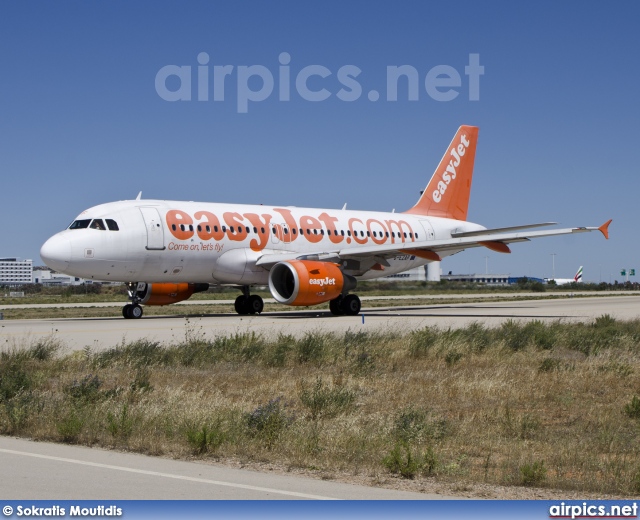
[306,282]
[167,293]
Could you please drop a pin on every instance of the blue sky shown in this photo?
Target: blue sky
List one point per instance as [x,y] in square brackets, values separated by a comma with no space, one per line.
[81,121]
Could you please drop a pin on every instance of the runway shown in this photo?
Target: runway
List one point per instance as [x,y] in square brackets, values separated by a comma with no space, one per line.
[103,333]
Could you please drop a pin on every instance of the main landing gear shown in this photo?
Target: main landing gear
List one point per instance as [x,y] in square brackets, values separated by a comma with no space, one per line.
[348,305]
[133,310]
[248,303]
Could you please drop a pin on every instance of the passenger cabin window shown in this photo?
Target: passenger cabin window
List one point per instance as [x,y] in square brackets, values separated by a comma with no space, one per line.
[98,224]
[112,224]
[80,224]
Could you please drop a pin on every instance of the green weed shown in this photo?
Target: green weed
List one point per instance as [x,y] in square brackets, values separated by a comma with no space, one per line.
[533,474]
[402,461]
[324,401]
[205,438]
[632,409]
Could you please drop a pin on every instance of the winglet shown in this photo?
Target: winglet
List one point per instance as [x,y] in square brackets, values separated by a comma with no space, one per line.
[604,229]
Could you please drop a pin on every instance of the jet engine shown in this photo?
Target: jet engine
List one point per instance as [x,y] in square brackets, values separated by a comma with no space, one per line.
[166,293]
[306,282]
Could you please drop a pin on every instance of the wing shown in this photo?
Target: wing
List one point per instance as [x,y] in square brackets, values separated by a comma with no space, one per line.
[495,239]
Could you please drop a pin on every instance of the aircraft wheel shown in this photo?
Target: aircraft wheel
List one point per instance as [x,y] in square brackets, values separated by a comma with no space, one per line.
[335,306]
[254,304]
[350,305]
[135,312]
[241,304]
[126,311]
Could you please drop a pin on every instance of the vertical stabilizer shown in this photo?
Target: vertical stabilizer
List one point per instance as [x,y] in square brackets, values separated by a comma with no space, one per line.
[578,277]
[447,194]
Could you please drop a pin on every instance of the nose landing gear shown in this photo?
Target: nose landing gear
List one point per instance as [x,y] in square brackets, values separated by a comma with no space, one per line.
[132,310]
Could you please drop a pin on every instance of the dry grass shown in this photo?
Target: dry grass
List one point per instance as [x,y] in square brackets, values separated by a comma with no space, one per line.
[523,404]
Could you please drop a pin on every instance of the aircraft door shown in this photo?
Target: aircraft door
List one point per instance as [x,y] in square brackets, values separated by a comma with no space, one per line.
[428,229]
[280,236]
[155,230]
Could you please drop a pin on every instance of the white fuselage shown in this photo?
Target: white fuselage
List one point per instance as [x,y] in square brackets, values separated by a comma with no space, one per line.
[168,241]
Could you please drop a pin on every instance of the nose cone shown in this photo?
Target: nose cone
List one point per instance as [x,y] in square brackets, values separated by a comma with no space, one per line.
[56,253]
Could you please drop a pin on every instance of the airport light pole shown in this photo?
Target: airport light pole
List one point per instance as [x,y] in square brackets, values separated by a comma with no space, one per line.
[553,264]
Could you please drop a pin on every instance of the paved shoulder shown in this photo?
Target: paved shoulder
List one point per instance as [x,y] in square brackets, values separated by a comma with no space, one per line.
[42,471]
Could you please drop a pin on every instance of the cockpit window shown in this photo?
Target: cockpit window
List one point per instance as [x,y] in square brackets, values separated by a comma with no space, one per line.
[98,224]
[80,224]
[111,224]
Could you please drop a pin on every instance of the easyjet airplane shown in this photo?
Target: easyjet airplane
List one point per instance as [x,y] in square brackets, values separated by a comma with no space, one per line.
[166,250]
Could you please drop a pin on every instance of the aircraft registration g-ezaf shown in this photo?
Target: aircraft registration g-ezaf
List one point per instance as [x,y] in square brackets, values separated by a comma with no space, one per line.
[167,250]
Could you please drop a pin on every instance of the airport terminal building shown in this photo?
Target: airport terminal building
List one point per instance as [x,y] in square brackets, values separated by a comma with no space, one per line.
[14,271]
[489,279]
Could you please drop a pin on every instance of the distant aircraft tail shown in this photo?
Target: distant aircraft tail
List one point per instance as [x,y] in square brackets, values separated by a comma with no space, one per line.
[578,277]
[447,194]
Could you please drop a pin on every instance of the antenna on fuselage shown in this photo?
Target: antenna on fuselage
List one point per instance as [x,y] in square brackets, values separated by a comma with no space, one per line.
[344,207]
[139,196]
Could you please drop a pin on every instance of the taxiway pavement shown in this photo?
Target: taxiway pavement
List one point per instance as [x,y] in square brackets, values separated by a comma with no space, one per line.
[103,333]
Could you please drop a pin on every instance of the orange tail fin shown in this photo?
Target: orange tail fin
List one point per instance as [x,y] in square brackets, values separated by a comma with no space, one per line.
[447,194]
